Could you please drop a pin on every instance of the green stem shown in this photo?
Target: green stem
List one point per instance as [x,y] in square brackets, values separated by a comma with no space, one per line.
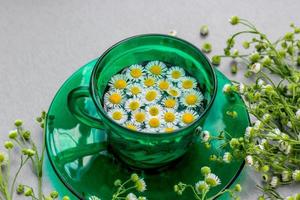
[16,175]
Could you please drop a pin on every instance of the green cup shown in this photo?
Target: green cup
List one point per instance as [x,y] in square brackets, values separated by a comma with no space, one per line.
[140,149]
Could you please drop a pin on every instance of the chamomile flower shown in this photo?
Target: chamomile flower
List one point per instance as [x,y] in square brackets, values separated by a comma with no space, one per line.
[140,185]
[201,187]
[192,99]
[174,92]
[135,72]
[212,180]
[227,157]
[274,181]
[139,116]
[151,95]
[118,81]
[113,98]
[154,110]
[169,128]
[187,83]
[170,102]
[131,196]
[156,68]
[296,175]
[163,84]
[148,81]
[249,160]
[187,117]
[118,115]
[175,73]
[134,89]
[154,123]
[133,104]
[169,116]
[132,125]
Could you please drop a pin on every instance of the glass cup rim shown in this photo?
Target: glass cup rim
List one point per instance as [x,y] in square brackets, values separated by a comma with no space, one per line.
[93,86]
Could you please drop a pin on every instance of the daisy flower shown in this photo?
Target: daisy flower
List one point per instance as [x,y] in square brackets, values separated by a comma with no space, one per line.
[148,81]
[212,180]
[131,196]
[227,157]
[187,83]
[118,81]
[201,187]
[169,128]
[205,136]
[163,84]
[175,73]
[169,116]
[170,102]
[156,68]
[134,89]
[296,175]
[249,160]
[151,95]
[187,117]
[174,92]
[192,99]
[154,123]
[139,116]
[135,72]
[274,181]
[113,98]
[118,115]
[140,185]
[132,125]
[154,110]
[133,104]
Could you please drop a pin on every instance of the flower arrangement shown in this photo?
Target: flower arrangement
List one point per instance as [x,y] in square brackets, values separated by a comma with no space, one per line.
[149,97]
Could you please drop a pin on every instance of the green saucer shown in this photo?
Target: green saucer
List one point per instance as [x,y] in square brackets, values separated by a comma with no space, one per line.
[77,157]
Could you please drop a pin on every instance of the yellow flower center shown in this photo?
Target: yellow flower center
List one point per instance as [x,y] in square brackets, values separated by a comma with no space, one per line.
[155,69]
[120,84]
[187,84]
[163,85]
[169,117]
[149,82]
[117,115]
[173,92]
[151,95]
[140,117]
[154,123]
[176,74]
[191,99]
[169,129]
[134,105]
[135,90]
[131,126]
[153,111]
[187,118]
[115,98]
[136,73]
[170,103]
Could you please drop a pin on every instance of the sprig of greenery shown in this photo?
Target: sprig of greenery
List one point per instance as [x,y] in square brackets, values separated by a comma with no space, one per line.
[123,188]
[272,143]
[202,187]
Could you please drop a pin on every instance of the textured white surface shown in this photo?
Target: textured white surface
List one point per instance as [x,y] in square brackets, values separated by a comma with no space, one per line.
[43,42]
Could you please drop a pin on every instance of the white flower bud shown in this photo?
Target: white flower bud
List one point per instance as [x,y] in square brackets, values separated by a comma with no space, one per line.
[255,68]
[227,88]
[249,160]
[274,181]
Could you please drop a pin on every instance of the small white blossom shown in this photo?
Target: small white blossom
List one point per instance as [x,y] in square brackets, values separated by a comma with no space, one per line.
[131,196]
[205,136]
[201,186]
[249,132]
[227,88]
[258,124]
[227,158]
[242,88]
[140,185]
[289,124]
[255,68]
[261,82]
[296,175]
[173,33]
[274,181]
[249,160]
[212,180]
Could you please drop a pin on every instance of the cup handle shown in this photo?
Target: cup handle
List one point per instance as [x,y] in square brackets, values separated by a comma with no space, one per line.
[78,111]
